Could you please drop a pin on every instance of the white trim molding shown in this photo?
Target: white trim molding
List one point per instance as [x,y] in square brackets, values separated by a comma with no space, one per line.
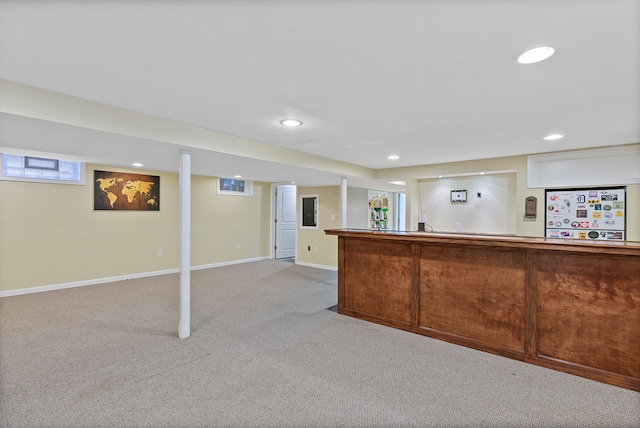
[232,262]
[53,287]
[313,265]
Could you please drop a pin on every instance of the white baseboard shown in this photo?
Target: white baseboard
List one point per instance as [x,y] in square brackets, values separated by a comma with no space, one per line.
[313,265]
[233,262]
[84,283]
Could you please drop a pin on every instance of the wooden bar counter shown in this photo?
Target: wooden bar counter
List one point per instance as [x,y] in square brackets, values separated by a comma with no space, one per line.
[569,305]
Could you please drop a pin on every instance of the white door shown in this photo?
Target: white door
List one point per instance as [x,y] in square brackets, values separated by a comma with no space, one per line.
[285,221]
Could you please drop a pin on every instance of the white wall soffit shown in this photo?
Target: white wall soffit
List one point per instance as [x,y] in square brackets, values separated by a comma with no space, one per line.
[28,101]
[607,166]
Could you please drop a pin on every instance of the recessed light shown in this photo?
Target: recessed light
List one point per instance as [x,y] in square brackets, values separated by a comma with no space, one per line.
[237,176]
[138,164]
[536,55]
[393,157]
[482,173]
[553,137]
[291,122]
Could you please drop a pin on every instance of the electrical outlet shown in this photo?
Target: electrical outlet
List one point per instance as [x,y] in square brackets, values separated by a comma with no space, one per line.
[315,249]
[309,248]
[159,253]
[458,227]
[238,246]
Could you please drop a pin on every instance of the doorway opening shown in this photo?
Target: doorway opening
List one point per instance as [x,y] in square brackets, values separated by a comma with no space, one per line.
[401,211]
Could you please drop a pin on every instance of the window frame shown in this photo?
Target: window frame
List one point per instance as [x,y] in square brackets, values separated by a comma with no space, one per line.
[80,181]
[248,187]
[316,210]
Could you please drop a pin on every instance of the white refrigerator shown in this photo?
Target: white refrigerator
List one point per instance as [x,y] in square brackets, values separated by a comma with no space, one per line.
[587,213]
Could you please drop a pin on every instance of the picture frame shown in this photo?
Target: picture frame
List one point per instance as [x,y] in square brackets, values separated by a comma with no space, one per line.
[458,196]
[124,191]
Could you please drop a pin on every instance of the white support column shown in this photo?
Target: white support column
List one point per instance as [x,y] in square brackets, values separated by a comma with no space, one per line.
[343,205]
[184,173]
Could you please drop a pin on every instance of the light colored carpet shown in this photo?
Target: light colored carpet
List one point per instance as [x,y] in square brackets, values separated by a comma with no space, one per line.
[265,352]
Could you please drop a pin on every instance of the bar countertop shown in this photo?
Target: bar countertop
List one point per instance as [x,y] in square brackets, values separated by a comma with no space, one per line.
[560,244]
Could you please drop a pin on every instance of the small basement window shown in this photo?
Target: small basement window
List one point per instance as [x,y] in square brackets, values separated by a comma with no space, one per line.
[233,186]
[39,169]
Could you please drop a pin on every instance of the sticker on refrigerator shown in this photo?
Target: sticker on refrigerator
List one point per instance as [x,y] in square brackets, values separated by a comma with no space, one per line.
[586,213]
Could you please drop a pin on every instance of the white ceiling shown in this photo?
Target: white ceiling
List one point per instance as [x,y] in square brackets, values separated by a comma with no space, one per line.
[430,81]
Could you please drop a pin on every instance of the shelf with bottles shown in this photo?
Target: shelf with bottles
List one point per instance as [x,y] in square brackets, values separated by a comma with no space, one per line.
[379,207]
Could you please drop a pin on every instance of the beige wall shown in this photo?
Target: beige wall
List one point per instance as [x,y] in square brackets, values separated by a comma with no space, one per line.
[357,208]
[324,248]
[220,222]
[518,166]
[515,164]
[633,212]
[493,212]
[50,234]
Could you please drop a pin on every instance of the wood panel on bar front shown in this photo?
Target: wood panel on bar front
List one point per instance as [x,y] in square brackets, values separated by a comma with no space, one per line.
[568,305]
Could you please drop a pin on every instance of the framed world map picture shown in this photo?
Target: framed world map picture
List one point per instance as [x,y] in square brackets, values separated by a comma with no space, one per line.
[125,191]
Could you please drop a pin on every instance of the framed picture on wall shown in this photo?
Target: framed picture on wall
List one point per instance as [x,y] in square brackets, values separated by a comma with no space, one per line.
[458,196]
[125,191]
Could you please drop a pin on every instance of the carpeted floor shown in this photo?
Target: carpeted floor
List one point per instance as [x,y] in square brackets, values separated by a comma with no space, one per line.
[264,352]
